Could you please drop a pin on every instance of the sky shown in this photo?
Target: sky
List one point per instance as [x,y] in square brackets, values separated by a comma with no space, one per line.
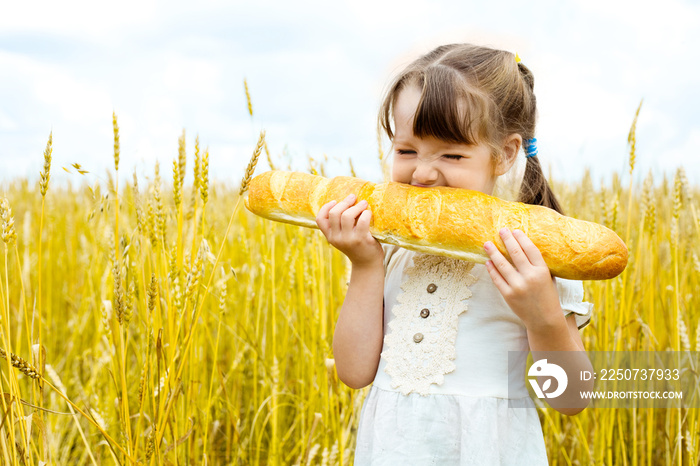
[316,71]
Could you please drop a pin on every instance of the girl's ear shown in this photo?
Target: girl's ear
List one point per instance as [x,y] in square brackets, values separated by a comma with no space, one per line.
[511,147]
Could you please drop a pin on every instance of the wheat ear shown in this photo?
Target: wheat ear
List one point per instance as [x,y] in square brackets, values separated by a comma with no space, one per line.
[253,162]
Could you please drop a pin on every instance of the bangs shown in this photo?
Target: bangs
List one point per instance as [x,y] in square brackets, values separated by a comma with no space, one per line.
[450,109]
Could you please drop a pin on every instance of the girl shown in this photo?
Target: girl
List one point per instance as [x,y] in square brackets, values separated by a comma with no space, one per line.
[433,333]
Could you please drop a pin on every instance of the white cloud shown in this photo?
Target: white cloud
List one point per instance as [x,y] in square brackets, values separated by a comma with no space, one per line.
[7,123]
[77,18]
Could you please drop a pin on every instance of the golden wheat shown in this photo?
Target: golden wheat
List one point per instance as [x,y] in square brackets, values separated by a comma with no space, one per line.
[21,364]
[204,187]
[45,175]
[269,158]
[632,138]
[140,222]
[176,184]
[247,97]
[228,357]
[115,128]
[251,165]
[9,234]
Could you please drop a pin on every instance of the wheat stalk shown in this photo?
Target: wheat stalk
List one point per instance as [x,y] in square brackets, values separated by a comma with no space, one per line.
[151,224]
[251,165]
[106,316]
[649,204]
[182,157]
[150,445]
[176,184]
[269,159]
[613,212]
[204,187]
[22,365]
[152,293]
[632,138]
[197,166]
[142,384]
[45,175]
[160,214]
[9,235]
[632,141]
[173,272]
[137,205]
[247,97]
[129,306]
[115,128]
[677,204]
[193,277]
[118,294]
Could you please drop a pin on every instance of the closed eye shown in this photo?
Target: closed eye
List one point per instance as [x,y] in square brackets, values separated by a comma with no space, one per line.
[412,152]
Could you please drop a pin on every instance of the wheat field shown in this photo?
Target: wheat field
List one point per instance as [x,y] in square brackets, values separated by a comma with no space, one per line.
[162,323]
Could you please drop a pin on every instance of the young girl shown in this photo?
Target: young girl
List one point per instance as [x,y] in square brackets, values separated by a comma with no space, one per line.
[433,333]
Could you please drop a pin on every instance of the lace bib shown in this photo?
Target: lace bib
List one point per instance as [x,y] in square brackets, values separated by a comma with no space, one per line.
[419,349]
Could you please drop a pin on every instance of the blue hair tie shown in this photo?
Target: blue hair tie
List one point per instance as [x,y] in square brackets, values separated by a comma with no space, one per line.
[530,147]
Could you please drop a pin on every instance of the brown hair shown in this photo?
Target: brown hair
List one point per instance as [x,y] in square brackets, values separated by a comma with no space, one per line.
[469,94]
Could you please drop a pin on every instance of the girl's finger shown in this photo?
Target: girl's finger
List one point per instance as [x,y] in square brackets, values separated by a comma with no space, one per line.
[532,252]
[498,280]
[349,217]
[363,221]
[322,216]
[337,210]
[325,208]
[517,255]
[500,262]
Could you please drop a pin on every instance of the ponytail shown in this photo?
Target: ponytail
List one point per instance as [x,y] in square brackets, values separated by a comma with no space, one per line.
[534,189]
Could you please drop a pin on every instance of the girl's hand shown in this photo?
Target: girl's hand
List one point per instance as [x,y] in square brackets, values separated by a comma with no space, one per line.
[528,288]
[338,223]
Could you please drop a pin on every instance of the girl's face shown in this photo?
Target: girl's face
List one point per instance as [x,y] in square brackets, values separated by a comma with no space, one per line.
[432,162]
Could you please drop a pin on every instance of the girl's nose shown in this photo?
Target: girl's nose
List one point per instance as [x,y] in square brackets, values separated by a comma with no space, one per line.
[425,173]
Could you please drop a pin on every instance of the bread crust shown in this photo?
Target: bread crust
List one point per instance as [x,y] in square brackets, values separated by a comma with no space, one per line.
[444,221]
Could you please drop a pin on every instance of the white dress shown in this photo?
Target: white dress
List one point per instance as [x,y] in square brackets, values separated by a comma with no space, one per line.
[441,393]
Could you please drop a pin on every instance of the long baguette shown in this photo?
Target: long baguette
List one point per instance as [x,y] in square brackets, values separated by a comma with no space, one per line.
[444,221]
